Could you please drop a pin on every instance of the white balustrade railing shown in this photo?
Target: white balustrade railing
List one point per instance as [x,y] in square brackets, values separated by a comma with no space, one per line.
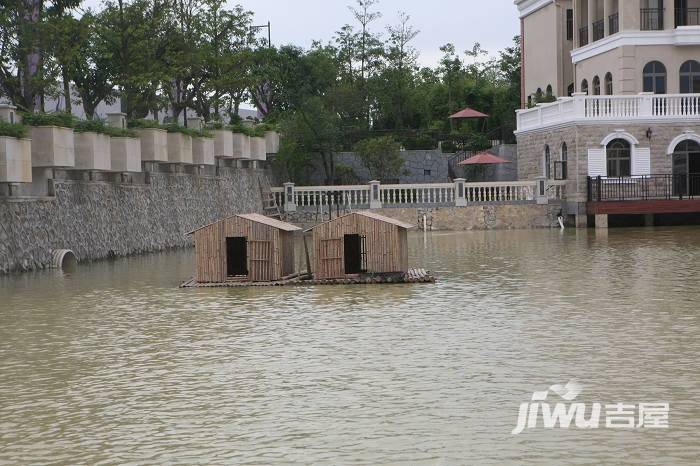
[582,108]
[459,193]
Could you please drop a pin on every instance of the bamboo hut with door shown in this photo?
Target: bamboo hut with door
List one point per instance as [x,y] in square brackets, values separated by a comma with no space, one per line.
[244,248]
[360,243]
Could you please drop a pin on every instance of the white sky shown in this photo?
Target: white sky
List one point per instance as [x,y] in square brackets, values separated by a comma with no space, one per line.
[493,23]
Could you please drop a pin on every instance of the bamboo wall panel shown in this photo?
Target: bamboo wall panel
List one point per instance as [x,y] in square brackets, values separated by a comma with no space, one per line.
[387,246]
[268,258]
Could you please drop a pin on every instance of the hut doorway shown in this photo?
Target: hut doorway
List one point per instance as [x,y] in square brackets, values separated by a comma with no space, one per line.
[236,256]
[355,247]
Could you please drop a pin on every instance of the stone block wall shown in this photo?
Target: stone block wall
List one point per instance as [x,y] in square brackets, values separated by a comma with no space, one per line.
[476,217]
[99,219]
[420,166]
[580,137]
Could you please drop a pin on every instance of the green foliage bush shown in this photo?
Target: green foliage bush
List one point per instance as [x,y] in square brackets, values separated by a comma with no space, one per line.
[381,156]
[420,142]
[12,130]
[99,126]
[64,120]
[143,123]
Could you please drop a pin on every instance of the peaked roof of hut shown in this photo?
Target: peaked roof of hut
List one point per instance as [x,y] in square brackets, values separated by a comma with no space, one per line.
[273,222]
[373,216]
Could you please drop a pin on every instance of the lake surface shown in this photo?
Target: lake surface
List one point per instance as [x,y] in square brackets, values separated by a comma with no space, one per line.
[115,365]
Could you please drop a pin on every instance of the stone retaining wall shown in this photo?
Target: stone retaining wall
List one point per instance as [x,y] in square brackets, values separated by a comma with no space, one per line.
[477,217]
[98,219]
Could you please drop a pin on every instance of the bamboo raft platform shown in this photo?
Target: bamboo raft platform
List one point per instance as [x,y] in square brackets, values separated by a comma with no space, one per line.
[412,276]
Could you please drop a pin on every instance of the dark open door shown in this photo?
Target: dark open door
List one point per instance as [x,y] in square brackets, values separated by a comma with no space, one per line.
[236,257]
[354,254]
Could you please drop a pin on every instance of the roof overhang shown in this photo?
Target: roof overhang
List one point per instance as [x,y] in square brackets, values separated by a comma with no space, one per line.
[528,7]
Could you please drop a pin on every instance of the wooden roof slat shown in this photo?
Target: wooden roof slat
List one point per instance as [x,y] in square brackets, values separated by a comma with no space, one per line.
[257,218]
[371,215]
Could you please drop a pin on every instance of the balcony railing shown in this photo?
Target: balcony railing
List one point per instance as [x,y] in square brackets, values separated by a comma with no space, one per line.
[614,23]
[598,30]
[583,108]
[687,17]
[583,36]
[652,19]
[642,188]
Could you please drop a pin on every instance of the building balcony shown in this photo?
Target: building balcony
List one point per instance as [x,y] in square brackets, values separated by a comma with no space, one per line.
[687,17]
[583,36]
[652,19]
[598,30]
[617,108]
[614,23]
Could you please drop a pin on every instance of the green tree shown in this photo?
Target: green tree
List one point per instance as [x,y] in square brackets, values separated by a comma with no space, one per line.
[381,156]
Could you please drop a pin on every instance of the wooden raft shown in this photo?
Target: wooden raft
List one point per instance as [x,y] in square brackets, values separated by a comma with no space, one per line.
[412,276]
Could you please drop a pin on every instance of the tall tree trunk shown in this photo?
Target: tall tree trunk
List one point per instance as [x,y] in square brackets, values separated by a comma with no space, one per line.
[66,89]
[29,37]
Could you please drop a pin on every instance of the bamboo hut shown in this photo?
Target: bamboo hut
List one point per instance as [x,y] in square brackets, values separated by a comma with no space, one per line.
[360,243]
[244,248]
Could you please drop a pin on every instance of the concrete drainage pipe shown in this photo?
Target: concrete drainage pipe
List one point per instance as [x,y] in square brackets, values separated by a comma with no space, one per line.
[64,259]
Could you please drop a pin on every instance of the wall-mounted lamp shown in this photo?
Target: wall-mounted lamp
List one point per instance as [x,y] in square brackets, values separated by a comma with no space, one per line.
[650,133]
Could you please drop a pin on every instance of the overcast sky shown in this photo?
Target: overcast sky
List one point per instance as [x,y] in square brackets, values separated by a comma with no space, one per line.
[493,23]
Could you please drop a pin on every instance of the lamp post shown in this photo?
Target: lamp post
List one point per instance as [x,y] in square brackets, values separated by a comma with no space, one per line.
[269,32]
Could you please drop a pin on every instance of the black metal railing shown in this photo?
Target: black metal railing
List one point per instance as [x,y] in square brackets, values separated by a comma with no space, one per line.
[598,30]
[687,17]
[614,23]
[642,188]
[652,19]
[583,36]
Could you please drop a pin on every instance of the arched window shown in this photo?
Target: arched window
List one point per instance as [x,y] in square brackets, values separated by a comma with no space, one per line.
[690,77]
[570,91]
[619,156]
[654,77]
[584,86]
[564,161]
[547,162]
[608,84]
[549,91]
[529,101]
[596,85]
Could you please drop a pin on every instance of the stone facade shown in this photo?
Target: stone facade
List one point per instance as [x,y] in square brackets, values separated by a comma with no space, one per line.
[420,166]
[98,219]
[581,137]
[481,217]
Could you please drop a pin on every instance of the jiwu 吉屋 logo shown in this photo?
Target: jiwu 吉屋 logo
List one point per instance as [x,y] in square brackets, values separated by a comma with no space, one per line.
[566,413]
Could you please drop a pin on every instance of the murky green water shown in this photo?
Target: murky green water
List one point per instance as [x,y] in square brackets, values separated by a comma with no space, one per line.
[114,364]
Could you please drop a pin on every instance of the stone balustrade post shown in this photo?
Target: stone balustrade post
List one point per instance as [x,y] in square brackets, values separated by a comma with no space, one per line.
[579,103]
[290,203]
[646,105]
[195,123]
[460,195]
[541,190]
[375,195]
[116,120]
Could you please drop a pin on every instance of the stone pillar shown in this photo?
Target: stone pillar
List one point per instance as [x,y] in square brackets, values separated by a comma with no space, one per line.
[375,195]
[195,123]
[591,19]
[541,191]
[116,120]
[601,221]
[647,105]
[8,113]
[581,221]
[460,197]
[290,204]
[607,8]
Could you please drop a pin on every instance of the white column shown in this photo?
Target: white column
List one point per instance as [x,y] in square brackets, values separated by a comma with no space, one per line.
[375,195]
[290,204]
[460,198]
[607,6]
[591,19]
